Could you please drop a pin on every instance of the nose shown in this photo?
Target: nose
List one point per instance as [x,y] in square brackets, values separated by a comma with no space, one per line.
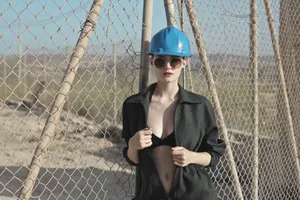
[168,66]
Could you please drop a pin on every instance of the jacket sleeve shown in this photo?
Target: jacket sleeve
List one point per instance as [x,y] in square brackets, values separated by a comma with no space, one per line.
[210,142]
[126,133]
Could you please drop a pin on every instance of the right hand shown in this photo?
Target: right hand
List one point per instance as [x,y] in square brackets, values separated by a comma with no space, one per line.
[141,139]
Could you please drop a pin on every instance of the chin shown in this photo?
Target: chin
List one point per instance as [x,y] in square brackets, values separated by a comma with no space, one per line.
[167,80]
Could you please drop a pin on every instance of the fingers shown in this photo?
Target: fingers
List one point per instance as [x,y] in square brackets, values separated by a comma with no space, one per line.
[145,137]
[178,148]
[146,134]
[180,161]
[178,151]
[180,164]
[147,131]
[147,144]
[179,155]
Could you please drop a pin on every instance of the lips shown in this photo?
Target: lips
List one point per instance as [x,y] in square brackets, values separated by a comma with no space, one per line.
[168,74]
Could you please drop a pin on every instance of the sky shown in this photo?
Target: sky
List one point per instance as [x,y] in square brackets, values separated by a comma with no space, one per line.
[55,25]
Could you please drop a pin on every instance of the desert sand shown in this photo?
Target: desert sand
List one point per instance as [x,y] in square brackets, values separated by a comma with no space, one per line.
[83,161]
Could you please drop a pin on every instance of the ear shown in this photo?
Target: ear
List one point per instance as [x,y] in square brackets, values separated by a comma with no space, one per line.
[185,62]
[151,60]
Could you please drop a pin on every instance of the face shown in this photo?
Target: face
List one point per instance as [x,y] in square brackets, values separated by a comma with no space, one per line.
[167,68]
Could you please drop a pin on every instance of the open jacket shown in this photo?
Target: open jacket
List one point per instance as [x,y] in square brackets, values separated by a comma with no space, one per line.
[195,129]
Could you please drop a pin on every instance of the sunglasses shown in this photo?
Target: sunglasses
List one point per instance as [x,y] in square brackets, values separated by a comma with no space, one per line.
[161,62]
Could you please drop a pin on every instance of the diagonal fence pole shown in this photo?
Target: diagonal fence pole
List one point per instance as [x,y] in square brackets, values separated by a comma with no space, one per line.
[186,73]
[255,113]
[170,12]
[283,85]
[209,77]
[48,132]
[171,20]
[181,22]
[180,10]
[115,82]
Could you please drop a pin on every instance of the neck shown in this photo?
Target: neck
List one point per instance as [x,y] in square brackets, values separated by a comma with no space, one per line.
[167,90]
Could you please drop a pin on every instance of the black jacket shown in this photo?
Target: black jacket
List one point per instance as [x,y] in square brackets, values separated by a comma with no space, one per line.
[195,129]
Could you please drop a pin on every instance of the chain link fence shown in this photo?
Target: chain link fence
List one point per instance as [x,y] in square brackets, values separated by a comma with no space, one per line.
[83,159]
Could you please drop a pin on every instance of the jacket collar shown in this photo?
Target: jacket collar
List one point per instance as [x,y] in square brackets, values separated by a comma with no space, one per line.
[184,96]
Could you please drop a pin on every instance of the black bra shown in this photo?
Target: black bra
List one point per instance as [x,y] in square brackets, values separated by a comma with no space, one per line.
[169,141]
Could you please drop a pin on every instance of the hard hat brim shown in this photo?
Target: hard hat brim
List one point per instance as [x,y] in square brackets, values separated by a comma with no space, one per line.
[168,53]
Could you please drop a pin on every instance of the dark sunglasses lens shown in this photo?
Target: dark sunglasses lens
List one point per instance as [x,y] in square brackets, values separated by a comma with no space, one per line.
[159,62]
[176,62]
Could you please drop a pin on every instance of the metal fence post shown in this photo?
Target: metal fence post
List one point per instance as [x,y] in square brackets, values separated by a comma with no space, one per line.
[255,113]
[212,87]
[146,37]
[48,132]
[283,85]
[170,12]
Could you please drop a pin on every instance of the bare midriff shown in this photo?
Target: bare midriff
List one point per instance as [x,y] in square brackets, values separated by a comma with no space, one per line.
[160,119]
[164,165]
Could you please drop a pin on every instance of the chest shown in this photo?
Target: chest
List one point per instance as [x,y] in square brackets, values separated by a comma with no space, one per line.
[161,118]
[188,121]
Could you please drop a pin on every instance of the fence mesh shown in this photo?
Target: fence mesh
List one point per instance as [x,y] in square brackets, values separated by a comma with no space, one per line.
[84,160]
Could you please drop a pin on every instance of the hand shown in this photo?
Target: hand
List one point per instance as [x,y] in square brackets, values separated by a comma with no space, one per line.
[181,156]
[141,139]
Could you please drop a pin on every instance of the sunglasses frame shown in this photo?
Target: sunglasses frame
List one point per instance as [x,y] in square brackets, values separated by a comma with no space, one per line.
[168,61]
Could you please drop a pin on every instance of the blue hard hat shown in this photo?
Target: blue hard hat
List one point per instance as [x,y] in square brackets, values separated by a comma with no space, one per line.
[170,41]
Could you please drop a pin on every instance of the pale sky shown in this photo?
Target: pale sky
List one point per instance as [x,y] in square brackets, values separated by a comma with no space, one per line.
[55,24]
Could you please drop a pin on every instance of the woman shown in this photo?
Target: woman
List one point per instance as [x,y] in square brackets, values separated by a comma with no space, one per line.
[171,133]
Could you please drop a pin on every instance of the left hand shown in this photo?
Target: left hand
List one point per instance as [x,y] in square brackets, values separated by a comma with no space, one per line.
[181,156]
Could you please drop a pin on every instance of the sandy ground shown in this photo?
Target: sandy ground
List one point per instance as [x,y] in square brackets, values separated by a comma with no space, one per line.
[81,163]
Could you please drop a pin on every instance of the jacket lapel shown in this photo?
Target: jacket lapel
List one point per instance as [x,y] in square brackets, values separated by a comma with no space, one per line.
[185,97]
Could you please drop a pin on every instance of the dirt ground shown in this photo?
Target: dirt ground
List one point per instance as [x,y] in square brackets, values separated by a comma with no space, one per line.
[83,161]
